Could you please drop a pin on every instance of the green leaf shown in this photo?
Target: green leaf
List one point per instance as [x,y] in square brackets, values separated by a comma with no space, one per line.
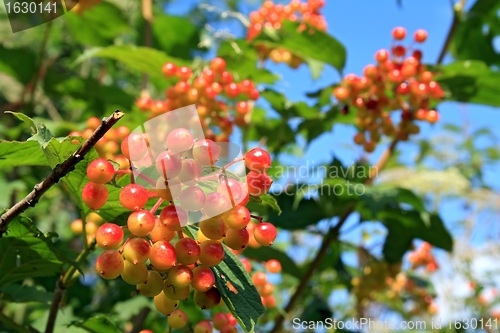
[41,134]
[26,253]
[176,36]
[270,201]
[97,324]
[19,293]
[246,305]
[265,253]
[470,81]
[404,226]
[15,153]
[139,59]
[318,46]
[99,25]
[242,60]
[475,34]
[20,63]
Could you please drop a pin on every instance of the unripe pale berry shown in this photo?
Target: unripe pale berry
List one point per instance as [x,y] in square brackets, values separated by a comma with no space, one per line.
[228,328]
[212,253]
[134,274]
[162,256]
[258,160]
[141,222]
[237,239]
[265,234]
[134,146]
[177,319]
[234,191]
[206,152]
[203,326]
[219,320]
[161,233]
[134,196]
[187,251]
[179,140]
[100,171]
[180,276]
[215,204]
[136,250]
[237,218]
[213,228]
[153,285]
[192,198]
[168,165]
[203,278]
[109,236]
[94,195]
[190,172]
[166,189]
[109,265]
[175,293]
[164,304]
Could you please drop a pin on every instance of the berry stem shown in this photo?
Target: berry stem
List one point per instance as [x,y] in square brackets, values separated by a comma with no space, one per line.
[180,234]
[59,172]
[132,179]
[332,235]
[217,174]
[156,206]
[123,246]
[257,218]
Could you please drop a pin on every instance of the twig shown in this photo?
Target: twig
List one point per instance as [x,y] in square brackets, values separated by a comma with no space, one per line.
[64,281]
[457,11]
[139,319]
[58,172]
[332,235]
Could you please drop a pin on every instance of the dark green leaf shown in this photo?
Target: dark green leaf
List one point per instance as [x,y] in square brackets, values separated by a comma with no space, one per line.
[245,305]
[470,81]
[15,153]
[26,253]
[476,32]
[18,63]
[97,324]
[317,46]
[242,60]
[41,134]
[404,226]
[99,25]
[139,59]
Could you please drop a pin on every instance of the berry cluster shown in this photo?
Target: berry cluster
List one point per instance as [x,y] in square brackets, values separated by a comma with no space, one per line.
[423,257]
[176,267]
[382,282]
[394,83]
[271,16]
[108,146]
[219,99]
